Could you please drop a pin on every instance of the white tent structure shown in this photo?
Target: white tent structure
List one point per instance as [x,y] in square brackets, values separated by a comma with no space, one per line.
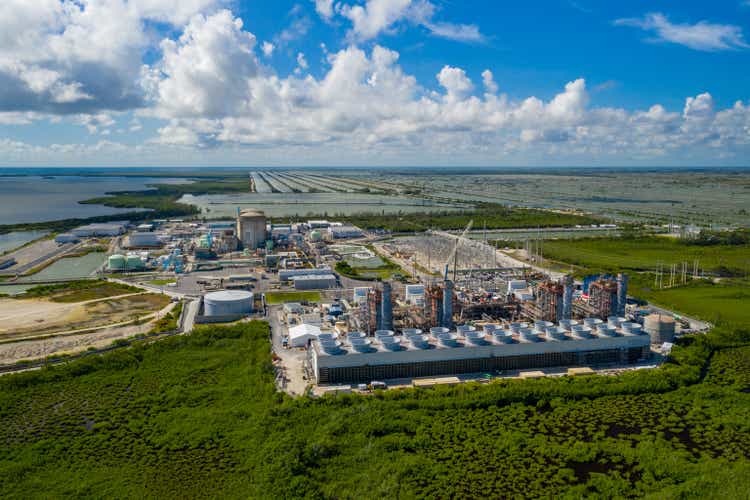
[300,335]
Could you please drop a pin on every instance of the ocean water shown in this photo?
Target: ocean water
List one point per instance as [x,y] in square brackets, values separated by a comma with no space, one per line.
[45,198]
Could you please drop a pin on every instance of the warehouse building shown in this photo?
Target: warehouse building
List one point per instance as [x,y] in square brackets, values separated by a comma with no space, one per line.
[108,229]
[314,281]
[143,240]
[469,351]
[344,232]
[288,274]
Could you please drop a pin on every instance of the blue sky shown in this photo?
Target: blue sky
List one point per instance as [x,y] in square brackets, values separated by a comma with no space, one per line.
[374,82]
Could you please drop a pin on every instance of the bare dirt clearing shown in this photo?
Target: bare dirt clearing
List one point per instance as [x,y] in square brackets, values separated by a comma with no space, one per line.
[32,317]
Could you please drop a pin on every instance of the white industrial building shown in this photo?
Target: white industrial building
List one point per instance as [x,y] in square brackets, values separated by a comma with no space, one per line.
[344,232]
[318,224]
[301,335]
[314,281]
[143,240]
[288,274]
[107,229]
[389,356]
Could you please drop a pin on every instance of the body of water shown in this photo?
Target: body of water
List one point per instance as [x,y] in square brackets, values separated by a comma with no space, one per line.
[11,241]
[69,268]
[44,198]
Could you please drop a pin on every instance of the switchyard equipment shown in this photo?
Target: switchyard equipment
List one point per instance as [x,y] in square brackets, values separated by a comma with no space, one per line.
[468,350]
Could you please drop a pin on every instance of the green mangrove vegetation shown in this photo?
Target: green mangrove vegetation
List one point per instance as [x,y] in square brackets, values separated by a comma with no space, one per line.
[199,416]
[489,215]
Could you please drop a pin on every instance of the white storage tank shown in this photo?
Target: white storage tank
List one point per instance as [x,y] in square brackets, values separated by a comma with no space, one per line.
[660,328]
[228,303]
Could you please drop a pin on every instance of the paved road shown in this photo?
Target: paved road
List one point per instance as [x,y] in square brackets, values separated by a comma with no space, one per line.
[191,311]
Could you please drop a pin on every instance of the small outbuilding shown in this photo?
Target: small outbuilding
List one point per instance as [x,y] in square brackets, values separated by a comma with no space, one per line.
[301,335]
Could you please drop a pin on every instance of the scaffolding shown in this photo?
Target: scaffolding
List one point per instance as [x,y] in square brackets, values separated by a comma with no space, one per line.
[603,298]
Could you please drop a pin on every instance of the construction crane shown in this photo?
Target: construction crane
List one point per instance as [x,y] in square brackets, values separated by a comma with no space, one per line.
[454,254]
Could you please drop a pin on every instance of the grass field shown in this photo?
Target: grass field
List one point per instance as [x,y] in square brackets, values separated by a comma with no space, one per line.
[643,254]
[162,282]
[198,416]
[281,297]
[727,302]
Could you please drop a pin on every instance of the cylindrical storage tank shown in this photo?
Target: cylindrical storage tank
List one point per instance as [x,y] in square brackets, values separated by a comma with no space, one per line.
[361,344]
[133,262]
[592,322]
[448,339]
[116,262]
[356,335]
[228,303]
[327,336]
[606,330]
[438,330]
[660,328]
[629,328]
[410,332]
[391,343]
[555,333]
[503,336]
[528,335]
[316,235]
[383,333]
[568,323]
